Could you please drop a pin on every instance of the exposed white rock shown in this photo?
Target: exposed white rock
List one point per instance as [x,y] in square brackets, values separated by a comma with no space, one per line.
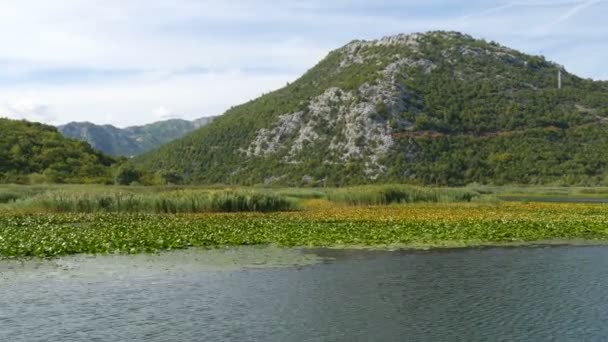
[270,141]
[357,132]
[504,54]
[394,68]
[352,52]
[347,124]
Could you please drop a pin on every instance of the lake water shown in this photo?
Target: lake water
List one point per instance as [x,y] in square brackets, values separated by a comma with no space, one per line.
[268,294]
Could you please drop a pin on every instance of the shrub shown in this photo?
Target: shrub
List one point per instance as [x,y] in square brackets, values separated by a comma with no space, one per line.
[127,174]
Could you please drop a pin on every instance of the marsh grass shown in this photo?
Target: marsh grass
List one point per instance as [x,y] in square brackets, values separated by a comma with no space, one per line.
[394,194]
[301,193]
[7,197]
[12,193]
[170,202]
[193,199]
[134,199]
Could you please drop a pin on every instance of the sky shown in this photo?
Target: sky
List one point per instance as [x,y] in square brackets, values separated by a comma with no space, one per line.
[130,62]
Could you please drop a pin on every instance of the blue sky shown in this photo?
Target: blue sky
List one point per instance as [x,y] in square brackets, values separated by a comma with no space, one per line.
[128,62]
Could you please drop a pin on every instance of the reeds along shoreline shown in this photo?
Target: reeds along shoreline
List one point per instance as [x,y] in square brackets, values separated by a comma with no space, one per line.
[166,203]
[83,199]
[167,200]
[389,194]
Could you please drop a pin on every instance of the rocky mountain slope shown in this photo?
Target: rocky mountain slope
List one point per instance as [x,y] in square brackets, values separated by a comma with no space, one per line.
[432,108]
[133,140]
[33,152]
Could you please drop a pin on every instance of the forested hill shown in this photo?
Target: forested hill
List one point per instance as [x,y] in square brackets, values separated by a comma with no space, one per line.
[434,108]
[33,152]
[131,141]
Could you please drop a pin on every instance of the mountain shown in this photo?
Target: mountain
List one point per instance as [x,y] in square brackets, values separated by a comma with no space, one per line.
[131,141]
[437,108]
[33,152]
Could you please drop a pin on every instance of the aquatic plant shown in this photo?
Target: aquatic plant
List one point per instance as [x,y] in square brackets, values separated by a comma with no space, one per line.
[321,225]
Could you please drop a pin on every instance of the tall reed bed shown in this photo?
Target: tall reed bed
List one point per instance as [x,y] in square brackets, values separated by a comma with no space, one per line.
[301,193]
[9,196]
[184,201]
[11,193]
[390,194]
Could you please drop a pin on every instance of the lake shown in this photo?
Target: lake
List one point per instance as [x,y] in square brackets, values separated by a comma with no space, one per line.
[271,294]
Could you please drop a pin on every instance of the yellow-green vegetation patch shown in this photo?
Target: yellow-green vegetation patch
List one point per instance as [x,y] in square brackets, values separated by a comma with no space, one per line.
[321,224]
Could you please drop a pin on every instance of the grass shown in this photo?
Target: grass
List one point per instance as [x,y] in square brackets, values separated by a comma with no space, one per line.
[545,191]
[93,199]
[389,194]
[7,197]
[170,202]
[12,193]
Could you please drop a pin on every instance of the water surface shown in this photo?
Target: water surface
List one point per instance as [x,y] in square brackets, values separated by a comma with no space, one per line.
[494,294]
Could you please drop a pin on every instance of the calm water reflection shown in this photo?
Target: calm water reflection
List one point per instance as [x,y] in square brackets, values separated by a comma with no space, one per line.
[517,294]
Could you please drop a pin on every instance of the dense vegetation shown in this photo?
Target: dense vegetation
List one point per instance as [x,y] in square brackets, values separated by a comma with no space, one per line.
[572,156]
[139,199]
[170,202]
[389,194]
[417,225]
[133,140]
[483,113]
[46,221]
[37,153]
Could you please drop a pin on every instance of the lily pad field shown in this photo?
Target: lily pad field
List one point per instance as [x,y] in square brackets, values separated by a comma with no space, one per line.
[52,221]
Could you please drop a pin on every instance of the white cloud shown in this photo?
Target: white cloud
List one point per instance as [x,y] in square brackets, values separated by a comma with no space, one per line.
[28,109]
[132,102]
[163,113]
[198,57]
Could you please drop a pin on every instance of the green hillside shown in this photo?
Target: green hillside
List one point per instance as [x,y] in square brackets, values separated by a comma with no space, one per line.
[133,140]
[435,108]
[33,152]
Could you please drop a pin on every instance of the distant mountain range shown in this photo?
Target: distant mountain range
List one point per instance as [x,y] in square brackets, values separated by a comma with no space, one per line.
[131,141]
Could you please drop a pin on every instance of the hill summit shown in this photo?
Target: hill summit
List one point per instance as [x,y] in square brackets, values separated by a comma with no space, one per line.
[428,108]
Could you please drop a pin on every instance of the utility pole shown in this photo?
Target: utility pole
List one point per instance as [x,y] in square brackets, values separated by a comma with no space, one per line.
[559,79]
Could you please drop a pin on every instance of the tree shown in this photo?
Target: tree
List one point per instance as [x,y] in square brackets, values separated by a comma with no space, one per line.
[127,174]
[169,177]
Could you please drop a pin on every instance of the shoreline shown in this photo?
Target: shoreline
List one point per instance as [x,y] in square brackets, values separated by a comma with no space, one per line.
[454,245]
[215,251]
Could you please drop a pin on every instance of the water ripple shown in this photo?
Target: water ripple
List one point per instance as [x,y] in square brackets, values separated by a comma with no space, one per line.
[512,294]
